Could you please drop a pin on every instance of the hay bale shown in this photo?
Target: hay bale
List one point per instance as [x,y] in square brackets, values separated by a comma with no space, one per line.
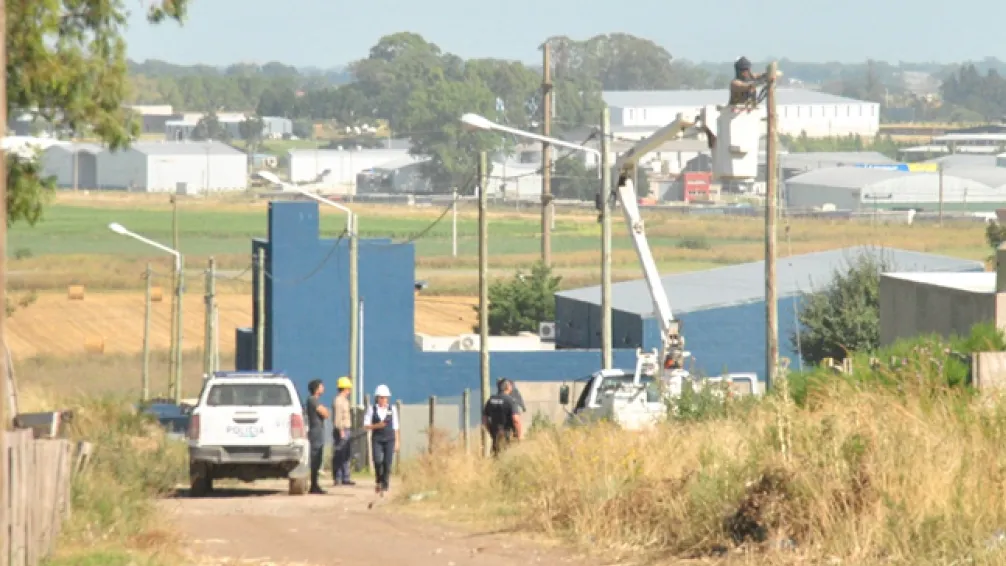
[75,292]
[156,294]
[94,345]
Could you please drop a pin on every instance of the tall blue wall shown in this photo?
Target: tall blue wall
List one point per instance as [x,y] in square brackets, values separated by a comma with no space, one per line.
[307,315]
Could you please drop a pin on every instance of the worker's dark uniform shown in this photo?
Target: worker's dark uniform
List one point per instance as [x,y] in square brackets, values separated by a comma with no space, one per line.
[499,412]
[316,438]
[383,446]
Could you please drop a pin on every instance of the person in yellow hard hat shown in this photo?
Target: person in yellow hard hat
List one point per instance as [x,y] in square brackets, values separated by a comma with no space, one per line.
[342,424]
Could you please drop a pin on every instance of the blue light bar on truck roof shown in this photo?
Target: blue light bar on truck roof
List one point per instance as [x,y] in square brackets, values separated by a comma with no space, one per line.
[245,374]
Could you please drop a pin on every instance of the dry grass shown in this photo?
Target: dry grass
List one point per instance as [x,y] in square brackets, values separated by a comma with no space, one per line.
[868,478]
[114,518]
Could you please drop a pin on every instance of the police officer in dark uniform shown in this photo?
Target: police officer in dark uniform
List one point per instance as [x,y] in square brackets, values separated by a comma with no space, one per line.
[501,417]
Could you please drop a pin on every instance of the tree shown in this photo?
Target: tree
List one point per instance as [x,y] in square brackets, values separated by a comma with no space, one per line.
[518,305]
[844,317]
[67,60]
[251,130]
[209,127]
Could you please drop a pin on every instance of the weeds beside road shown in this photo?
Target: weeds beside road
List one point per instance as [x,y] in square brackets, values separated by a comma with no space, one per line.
[114,519]
[908,471]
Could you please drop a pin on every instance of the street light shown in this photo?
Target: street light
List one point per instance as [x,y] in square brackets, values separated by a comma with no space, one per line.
[123,231]
[474,122]
[354,280]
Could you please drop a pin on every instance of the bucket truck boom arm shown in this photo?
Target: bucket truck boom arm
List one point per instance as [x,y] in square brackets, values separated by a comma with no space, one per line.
[672,342]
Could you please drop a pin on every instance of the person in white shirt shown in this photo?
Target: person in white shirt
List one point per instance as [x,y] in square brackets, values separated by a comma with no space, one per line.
[382,419]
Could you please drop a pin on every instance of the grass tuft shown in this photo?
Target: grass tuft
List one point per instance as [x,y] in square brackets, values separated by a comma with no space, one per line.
[865,475]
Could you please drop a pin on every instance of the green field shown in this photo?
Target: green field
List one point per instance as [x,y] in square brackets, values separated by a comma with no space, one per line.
[75,226]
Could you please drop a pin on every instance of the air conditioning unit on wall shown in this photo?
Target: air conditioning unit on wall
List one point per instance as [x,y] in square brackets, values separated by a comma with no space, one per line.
[546,331]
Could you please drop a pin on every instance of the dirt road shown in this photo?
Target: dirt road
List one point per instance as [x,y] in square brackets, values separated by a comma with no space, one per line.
[264,526]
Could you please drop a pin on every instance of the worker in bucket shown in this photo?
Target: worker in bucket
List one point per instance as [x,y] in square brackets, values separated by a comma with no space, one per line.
[501,417]
[743,93]
[342,424]
[382,419]
[744,87]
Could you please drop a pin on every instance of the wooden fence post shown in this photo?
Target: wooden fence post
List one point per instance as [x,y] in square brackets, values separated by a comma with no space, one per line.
[466,425]
[432,423]
[398,457]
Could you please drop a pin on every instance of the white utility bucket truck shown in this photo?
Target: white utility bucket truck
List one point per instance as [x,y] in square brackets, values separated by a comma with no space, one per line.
[638,400]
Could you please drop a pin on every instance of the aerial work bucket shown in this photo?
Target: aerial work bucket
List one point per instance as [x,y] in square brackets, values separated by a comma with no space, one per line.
[738,132]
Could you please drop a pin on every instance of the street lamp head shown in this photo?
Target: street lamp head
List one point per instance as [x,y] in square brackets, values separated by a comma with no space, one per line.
[118,228]
[473,122]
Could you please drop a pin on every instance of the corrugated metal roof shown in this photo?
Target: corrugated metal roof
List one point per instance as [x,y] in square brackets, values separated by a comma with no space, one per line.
[855,177]
[847,177]
[825,158]
[706,97]
[984,282]
[71,147]
[962,160]
[184,148]
[745,283]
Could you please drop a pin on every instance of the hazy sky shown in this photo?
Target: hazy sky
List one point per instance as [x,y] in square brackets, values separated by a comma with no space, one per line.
[328,33]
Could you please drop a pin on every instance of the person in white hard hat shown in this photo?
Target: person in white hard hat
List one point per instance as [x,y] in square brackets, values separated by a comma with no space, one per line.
[382,419]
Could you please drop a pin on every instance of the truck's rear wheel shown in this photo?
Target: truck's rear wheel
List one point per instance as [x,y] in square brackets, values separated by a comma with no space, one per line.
[298,486]
[201,480]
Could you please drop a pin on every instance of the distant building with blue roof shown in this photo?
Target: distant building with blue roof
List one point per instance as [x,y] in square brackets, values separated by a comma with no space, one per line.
[722,310]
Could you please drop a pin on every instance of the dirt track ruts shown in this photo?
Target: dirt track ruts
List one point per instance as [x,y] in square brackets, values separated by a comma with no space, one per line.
[262,525]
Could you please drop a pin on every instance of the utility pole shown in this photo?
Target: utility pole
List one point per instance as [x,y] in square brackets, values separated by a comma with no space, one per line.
[771,304]
[208,338]
[484,290]
[546,156]
[145,384]
[354,306]
[454,223]
[6,419]
[941,192]
[179,292]
[604,202]
[260,310]
[174,285]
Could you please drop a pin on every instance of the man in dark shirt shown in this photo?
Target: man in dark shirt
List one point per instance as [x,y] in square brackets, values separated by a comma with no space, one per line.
[316,416]
[501,417]
[514,393]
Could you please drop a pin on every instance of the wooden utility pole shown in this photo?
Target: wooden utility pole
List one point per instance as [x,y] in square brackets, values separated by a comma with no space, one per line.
[174,296]
[484,290]
[208,338]
[546,156]
[605,203]
[179,329]
[6,419]
[354,304]
[260,310]
[145,384]
[771,189]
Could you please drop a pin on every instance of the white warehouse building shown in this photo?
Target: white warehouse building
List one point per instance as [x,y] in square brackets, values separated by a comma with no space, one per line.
[342,166]
[818,114]
[74,165]
[191,167]
[855,189]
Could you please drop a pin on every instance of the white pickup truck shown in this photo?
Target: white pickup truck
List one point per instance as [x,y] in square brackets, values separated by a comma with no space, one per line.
[247,426]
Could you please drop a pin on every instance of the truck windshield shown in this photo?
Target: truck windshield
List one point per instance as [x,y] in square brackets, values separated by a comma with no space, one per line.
[249,395]
[613,382]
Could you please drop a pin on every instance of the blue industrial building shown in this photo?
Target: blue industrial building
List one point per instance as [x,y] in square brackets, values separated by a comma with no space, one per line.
[722,311]
[307,313]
